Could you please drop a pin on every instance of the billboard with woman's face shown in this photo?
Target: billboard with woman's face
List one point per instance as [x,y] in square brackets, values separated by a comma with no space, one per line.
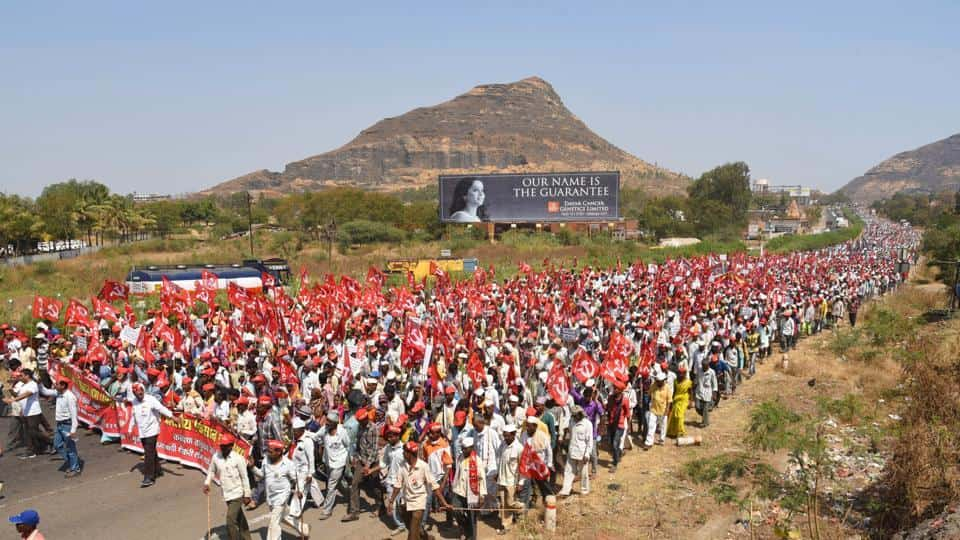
[531,197]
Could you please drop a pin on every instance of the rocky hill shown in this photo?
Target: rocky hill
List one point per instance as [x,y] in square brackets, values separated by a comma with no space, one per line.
[931,168]
[516,127]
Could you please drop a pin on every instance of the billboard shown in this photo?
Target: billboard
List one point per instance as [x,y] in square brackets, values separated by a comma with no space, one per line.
[530,197]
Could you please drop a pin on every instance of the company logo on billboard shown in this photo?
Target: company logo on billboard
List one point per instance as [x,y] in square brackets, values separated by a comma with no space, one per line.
[553,207]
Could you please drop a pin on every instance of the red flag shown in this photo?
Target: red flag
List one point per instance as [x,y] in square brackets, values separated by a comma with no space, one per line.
[524,268]
[584,366]
[375,277]
[268,280]
[113,290]
[209,280]
[558,385]
[77,314]
[104,310]
[614,369]
[414,344]
[475,370]
[46,308]
[531,465]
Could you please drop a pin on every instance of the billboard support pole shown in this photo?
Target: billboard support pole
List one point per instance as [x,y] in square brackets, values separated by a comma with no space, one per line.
[490,231]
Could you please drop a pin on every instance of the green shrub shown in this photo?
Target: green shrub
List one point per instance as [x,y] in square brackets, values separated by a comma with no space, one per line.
[883,326]
[362,231]
[771,426]
[524,239]
[846,409]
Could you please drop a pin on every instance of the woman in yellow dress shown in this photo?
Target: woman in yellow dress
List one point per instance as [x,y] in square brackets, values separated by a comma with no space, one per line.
[681,400]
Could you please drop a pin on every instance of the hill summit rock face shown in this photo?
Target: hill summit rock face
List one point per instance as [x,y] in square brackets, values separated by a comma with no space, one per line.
[931,168]
[517,127]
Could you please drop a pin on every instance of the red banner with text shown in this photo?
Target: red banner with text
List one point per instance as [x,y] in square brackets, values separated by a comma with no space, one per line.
[95,407]
[186,439]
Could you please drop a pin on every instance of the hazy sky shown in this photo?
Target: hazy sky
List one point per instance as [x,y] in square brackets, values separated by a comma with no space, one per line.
[178,96]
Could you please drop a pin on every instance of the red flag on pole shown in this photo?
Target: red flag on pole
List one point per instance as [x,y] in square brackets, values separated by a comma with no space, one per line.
[113,290]
[584,366]
[46,308]
[558,385]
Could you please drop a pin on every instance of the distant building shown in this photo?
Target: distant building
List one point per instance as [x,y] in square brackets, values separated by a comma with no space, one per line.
[148,197]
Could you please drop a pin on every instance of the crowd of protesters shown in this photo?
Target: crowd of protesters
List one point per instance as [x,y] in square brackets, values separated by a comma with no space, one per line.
[441,403]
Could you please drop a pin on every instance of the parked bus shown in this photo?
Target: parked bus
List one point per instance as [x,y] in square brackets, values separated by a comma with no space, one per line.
[248,274]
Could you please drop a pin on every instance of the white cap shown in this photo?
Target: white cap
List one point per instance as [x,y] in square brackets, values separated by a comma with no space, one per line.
[391,375]
[466,442]
[509,428]
[533,420]
[513,399]
[590,383]
[299,423]
[478,392]
[488,402]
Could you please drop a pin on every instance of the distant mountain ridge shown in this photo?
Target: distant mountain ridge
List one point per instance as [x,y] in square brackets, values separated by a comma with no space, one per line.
[516,127]
[931,168]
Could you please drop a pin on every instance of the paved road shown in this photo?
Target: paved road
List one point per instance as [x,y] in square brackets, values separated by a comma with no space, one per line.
[106,502]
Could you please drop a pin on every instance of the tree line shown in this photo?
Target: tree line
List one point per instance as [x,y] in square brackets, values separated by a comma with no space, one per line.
[716,205]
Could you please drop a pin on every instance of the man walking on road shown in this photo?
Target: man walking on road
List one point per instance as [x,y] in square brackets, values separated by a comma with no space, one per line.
[278,475]
[414,481]
[146,415]
[66,430]
[231,470]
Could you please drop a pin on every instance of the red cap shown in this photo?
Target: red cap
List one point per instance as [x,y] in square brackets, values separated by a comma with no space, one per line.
[434,427]
[226,439]
[417,407]
[460,418]
[208,387]
[274,444]
[63,380]
[531,411]
[411,447]
[258,378]
[450,390]
[153,372]
[209,372]
[393,430]
[265,400]
[361,414]
[242,400]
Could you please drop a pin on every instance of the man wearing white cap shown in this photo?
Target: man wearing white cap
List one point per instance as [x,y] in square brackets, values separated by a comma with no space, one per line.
[578,454]
[304,466]
[539,440]
[469,488]
[509,480]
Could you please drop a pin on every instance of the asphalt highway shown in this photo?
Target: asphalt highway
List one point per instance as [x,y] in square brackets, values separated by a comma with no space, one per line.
[106,502]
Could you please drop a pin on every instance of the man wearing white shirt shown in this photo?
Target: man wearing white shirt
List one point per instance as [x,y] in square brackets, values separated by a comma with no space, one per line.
[66,430]
[278,475]
[509,480]
[304,467]
[230,469]
[147,411]
[31,413]
[336,448]
[580,450]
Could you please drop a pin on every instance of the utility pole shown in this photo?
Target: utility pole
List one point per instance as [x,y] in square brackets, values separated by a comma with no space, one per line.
[250,221]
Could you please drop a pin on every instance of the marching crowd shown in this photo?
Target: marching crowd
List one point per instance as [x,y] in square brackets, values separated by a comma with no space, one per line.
[438,406]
